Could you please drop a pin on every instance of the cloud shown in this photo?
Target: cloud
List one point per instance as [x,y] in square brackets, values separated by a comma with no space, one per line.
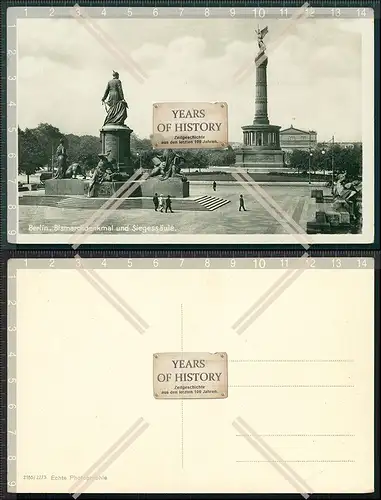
[314,74]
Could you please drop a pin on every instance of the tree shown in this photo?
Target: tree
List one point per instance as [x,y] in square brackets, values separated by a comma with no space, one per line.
[348,159]
[142,152]
[84,149]
[144,158]
[195,158]
[31,155]
[73,147]
[326,156]
[139,145]
[48,137]
[299,160]
[229,156]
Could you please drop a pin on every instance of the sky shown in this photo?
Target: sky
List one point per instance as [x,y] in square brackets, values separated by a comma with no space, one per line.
[314,71]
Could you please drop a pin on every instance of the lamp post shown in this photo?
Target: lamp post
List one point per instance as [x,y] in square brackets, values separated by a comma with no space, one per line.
[309,158]
[309,166]
[140,160]
[52,160]
[332,159]
[323,153]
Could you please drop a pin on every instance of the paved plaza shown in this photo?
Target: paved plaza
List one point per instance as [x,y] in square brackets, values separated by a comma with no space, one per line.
[294,200]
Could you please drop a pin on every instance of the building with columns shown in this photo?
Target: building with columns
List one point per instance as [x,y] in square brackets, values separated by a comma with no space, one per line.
[294,138]
[261,148]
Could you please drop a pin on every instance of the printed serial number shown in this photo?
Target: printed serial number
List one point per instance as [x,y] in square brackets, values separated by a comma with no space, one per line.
[34,476]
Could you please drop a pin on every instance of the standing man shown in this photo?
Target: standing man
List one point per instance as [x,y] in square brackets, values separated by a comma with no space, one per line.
[214,185]
[155,200]
[161,203]
[168,205]
[241,203]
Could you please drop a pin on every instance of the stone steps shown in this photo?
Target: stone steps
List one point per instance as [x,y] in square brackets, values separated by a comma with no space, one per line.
[82,202]
[211,202]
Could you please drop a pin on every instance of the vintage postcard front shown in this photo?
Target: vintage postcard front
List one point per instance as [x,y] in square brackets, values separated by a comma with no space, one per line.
[190,375]
[289,408]
[190,125]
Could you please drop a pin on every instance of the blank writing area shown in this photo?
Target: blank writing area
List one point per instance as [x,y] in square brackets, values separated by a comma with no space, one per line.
[299,411]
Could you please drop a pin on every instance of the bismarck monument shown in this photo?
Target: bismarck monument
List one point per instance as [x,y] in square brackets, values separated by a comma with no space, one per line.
[115,135]
[261,149]
[113,176]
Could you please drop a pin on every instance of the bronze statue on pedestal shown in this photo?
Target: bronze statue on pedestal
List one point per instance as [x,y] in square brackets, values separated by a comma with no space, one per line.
[116,106]
[61,154]
[260,36]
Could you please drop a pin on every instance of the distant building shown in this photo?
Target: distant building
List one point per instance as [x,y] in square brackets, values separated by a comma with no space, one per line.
[293,138]
[235,145]
[350,145]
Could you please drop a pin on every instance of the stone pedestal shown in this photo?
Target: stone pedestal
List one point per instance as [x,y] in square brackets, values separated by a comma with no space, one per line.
[174,186]
[261,148]
[116,140]
[73,187]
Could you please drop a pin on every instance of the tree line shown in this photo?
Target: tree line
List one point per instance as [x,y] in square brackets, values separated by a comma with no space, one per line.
[324,157]
[37,148]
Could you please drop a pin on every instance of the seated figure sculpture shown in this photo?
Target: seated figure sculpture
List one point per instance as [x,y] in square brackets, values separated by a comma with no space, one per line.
[99,175]
[168,165]
[74,170]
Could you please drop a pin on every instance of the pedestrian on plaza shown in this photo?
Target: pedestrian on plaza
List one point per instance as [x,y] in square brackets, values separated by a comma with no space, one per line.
[214,185]
[168,204]
[241,203]
[161,203]
[155,200]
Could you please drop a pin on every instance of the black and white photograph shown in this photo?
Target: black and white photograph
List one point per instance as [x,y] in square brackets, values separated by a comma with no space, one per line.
[191,125]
